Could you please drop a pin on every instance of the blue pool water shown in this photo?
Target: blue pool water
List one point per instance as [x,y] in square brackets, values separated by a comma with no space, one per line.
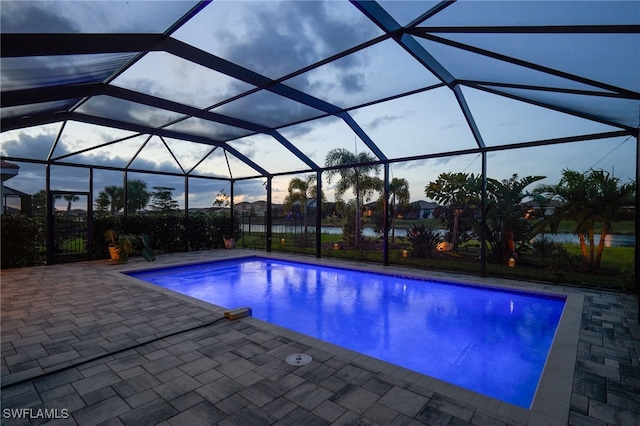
[489,341]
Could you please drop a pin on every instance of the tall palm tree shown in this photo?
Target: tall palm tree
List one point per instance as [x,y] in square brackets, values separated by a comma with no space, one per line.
[399,195]
[70,198]
[357,177]
[137,195]
[112,196]
[300,191]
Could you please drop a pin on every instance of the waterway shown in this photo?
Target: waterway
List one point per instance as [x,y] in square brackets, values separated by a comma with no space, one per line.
[611,240]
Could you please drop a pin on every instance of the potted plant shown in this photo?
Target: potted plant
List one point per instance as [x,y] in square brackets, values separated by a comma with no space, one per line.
[123,245]
[230,232]
[110,237]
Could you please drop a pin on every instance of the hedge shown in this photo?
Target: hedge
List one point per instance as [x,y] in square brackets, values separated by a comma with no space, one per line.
[22,235]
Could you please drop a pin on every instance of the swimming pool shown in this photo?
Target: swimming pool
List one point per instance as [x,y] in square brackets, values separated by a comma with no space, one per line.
[494,342]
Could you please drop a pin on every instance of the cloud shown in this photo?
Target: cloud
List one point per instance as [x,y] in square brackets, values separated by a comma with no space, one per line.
[276,38]
[26,145]
[449,126]
[352,82]
[383,120]
[250,190]
[408,165]
[18,15]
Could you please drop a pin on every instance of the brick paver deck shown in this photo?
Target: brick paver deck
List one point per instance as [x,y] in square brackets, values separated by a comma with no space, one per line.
[90,346]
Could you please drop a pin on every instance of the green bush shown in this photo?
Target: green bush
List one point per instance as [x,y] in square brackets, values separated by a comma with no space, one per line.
[168,233]
[423,240]
[20,241]
[543,247]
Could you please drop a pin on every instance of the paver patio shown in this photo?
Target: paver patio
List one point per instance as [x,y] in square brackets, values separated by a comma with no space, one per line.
[92,346]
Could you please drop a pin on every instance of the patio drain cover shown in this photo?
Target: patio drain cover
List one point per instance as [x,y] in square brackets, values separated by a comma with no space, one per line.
[298,359]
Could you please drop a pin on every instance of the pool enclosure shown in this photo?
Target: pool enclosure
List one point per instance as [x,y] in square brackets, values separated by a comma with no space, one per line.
[238,99]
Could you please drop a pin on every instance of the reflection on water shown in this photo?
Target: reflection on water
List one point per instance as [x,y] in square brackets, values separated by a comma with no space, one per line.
[464,335]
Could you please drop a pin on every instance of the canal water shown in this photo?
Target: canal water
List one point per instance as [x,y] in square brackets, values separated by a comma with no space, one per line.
[610,240]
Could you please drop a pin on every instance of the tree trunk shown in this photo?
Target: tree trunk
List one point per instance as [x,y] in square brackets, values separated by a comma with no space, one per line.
[583,247]
[591,247]
[508,244]
[454,239]
[603,235]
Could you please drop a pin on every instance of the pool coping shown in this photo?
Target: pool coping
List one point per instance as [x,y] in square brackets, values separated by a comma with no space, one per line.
[552,400]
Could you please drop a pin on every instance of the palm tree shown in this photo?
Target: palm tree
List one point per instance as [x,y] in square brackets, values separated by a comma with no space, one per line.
[505,214]
[586,199]
[39,202]
[356,177]
[70,198]
[457,191]
[300,191]
[111,196]
[398,194]
[137,195]
[573,191]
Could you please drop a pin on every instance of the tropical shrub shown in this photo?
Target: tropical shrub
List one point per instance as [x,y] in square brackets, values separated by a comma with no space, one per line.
[423,240]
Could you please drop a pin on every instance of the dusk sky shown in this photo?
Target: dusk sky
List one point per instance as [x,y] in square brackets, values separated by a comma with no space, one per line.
[276,38]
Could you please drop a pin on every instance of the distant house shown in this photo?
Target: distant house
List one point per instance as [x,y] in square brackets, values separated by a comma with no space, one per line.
[245,208]
[9,170]
[535,210]
[421,210]
[25,201]
[415,210]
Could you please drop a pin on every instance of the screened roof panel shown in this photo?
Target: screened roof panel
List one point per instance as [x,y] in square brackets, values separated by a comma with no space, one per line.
[612,110]
[102,16]
[214,164]
[546,12]
[268,109]
[363,76]
[275,38]
[180,80]
[315,139]
[208,129]
[488,69]
[610,58]
[43,71]
[274,157]
[405,12]
[116,154]
[424,123]
[188,154]
[31,142]
[35,109]
[82,136]
[131,112]
[155,155]
[502,120]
